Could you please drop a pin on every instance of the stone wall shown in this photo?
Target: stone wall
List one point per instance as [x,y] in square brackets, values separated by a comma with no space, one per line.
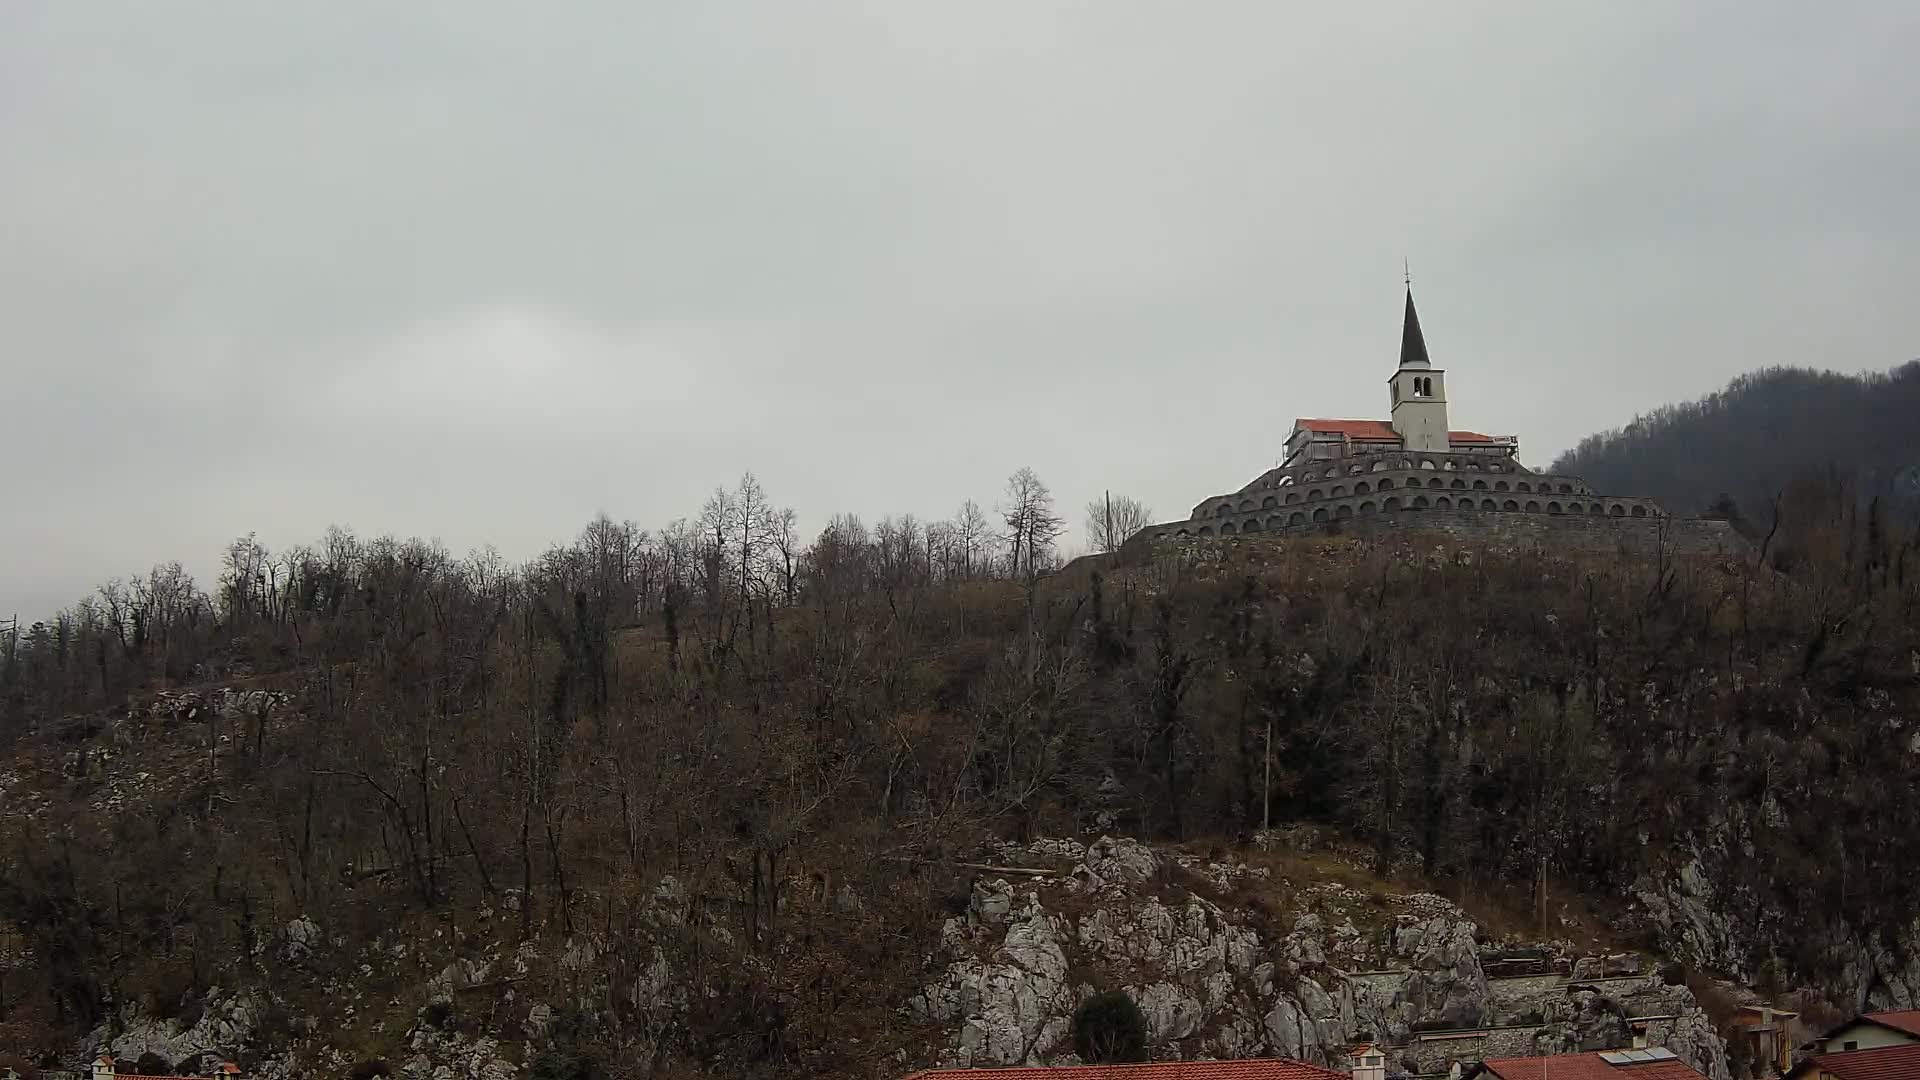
[1582,533]
[1595,534]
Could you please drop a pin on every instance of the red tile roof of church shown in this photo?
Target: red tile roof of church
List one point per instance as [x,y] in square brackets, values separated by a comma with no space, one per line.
[1377,430]
[1352,429]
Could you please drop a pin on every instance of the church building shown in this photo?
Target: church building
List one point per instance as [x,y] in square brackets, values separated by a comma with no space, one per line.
[1411,463]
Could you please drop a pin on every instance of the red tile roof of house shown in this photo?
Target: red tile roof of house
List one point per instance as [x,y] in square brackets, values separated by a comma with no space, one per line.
[1907,1020]
[1249,1069]
[1883,1063]
[1469,437]
[1585,1067]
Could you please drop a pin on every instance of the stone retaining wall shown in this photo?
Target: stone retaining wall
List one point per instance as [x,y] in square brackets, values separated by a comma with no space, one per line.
[1583,533]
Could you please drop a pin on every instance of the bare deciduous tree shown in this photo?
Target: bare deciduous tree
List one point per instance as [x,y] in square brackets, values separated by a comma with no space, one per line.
[1032,524]
[1111,519]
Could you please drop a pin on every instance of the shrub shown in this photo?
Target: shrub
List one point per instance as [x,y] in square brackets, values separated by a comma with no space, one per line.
[437,1014]
[565,1065]
[1109,1028]
[152,1064]
[370,1068]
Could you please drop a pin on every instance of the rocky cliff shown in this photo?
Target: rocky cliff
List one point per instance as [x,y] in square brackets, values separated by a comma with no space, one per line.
[1343,965]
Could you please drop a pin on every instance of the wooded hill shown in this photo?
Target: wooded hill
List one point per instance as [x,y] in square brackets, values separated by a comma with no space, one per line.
[773,723]
[1752,439]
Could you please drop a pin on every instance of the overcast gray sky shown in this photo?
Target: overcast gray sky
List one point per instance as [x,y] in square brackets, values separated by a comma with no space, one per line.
[478,271]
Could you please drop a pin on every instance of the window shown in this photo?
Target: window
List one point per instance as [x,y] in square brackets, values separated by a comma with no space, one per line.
[1850,1046]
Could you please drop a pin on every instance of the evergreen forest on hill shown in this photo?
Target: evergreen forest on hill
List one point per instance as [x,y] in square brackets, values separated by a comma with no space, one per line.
[1761,434]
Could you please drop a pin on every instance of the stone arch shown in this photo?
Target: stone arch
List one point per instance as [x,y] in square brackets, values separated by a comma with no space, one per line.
[1508,505]
[1427,463]
[1489,504]
[1357,470]
[1459,484]
[1361,488]
[1343,511]
[1316,493]
[1292,497]
[1443,503]
[1533,506]
[1392,503]
[1269,503]
[1320,514]
[1252,526]
[1479,485]
[1449,465]
[1283,481]
[1338,490]
[1553,507]
[1206,530]
[1380,465]
[1436,482]
[1223,510]
[1499,485]
[1276,524]
[1296,518]
[1182,534]
[1386,483]
[1524,486]
[1566,489]
[1616,510]
[1367,508]
[1246,505]
[1419,502]
[1226,528]
[1639,511]
[1596,508]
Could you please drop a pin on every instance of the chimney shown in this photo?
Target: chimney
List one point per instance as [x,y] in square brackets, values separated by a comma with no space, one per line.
[103,1068]
[1369,1062]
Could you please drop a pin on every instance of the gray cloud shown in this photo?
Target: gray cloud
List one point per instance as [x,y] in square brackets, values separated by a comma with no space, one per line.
[479,270]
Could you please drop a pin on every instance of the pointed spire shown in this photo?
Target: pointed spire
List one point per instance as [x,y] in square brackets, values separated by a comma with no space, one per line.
[1413,344]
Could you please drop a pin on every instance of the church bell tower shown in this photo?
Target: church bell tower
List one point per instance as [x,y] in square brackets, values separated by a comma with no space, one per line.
[1419,390]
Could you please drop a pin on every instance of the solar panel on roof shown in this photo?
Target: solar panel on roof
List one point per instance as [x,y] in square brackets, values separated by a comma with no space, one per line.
[1638,1057]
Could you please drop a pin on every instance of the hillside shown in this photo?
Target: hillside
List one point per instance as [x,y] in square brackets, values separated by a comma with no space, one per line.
[1755,438]
[651,809]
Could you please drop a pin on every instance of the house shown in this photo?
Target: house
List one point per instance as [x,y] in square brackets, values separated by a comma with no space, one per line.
[1897,1062]
[1764,1036]
[1650,1064]
[1894,1027]
[1248,1069]
[104,1069]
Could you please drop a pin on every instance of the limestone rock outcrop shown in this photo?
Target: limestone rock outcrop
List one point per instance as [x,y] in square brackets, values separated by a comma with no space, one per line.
[1213,981]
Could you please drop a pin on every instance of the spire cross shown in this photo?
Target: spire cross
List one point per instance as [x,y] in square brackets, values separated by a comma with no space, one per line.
[1408,263]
